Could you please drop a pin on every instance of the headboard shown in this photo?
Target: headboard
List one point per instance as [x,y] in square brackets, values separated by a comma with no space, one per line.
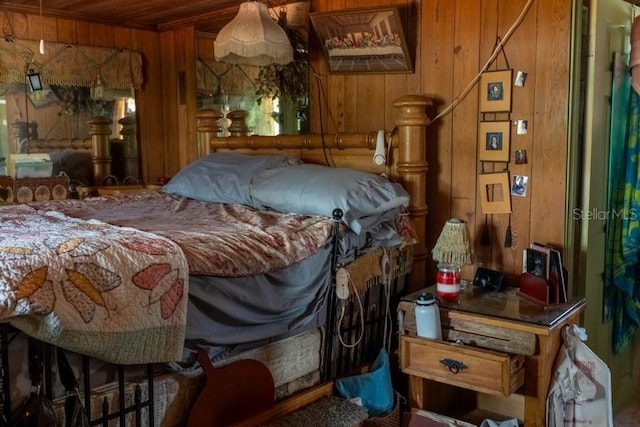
[98,144]
[406,162]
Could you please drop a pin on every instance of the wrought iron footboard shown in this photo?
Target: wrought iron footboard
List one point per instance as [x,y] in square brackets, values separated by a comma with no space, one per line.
[133,408]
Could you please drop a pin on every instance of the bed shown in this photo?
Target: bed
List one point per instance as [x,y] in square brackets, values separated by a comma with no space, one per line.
[163,287]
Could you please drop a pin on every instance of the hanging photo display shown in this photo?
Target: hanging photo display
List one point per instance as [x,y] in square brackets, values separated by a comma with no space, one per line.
[495,91]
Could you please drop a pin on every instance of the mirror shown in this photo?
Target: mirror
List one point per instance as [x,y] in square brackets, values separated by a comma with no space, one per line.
[63,102]
[55,117]
[275,97]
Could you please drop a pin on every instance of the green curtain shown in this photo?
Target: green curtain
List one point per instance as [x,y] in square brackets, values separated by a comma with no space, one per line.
[622,268]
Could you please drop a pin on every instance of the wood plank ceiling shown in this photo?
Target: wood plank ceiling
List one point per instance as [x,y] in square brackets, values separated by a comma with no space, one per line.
[208,15]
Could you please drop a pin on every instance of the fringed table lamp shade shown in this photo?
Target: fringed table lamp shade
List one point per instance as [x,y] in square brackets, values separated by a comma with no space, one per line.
[253,38]
[453,245]
[452,251]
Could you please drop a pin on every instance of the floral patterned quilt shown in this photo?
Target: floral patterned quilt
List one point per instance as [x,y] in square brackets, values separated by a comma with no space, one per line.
[115,293]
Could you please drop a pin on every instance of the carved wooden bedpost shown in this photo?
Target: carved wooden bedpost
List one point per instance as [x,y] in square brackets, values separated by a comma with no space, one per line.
[130,147]
[412,168]
[207,127]
[100,131]
[238,126]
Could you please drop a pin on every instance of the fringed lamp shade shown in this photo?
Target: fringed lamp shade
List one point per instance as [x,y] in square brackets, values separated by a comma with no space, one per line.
[253,38]
[453,246]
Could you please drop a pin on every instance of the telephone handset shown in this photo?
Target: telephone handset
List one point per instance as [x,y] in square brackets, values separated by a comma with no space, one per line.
[379,157]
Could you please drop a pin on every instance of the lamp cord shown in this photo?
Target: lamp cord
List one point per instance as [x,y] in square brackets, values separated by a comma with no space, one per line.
[341,318]
[320,98]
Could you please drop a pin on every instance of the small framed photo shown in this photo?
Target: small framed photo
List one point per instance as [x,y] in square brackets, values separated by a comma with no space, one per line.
[521,78]
[519,185]
[495,91]
[521,157]
[495,138]
[494,193]
[522,127]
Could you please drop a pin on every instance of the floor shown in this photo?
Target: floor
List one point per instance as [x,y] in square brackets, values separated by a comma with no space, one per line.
[629,417]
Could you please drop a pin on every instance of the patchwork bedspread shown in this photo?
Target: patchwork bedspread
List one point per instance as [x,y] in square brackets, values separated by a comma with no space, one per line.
[115,293]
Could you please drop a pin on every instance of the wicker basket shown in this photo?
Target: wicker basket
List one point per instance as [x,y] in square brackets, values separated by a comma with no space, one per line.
[392,419]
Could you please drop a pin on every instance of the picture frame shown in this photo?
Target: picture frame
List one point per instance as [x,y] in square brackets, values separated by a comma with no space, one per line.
[495,91]
[494,141]
[495,196]
[519,184]
[362,41]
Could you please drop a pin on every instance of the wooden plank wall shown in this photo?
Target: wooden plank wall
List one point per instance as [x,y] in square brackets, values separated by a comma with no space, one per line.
[453,40]
[179,102]
[148,99]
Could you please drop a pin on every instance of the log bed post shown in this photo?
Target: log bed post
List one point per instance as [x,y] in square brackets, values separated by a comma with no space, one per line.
[412,168]
[207,127]
[100,131]
[130,147]
[238,126]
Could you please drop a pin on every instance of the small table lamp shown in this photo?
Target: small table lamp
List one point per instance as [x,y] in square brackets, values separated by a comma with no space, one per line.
[452,251]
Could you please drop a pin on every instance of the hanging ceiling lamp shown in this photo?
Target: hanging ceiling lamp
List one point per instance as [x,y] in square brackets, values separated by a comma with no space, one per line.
[253,38]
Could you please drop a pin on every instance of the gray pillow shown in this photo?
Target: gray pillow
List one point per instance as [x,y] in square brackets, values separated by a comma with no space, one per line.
[223,177]
[318,190]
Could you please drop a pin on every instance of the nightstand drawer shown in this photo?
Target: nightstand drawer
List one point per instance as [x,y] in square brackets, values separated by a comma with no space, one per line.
[464,366]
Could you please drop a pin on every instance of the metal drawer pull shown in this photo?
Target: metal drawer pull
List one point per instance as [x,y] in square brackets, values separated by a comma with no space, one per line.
[453,365]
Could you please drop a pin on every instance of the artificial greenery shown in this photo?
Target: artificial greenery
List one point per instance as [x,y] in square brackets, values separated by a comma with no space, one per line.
[289,81]
[77,99]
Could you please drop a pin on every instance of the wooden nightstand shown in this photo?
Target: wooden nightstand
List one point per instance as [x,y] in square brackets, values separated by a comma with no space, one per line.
[496,357]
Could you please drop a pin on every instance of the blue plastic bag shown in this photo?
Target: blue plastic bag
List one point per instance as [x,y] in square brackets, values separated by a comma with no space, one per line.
[374,388]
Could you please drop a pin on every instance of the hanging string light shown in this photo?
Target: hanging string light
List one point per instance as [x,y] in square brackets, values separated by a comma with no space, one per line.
[41,31]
